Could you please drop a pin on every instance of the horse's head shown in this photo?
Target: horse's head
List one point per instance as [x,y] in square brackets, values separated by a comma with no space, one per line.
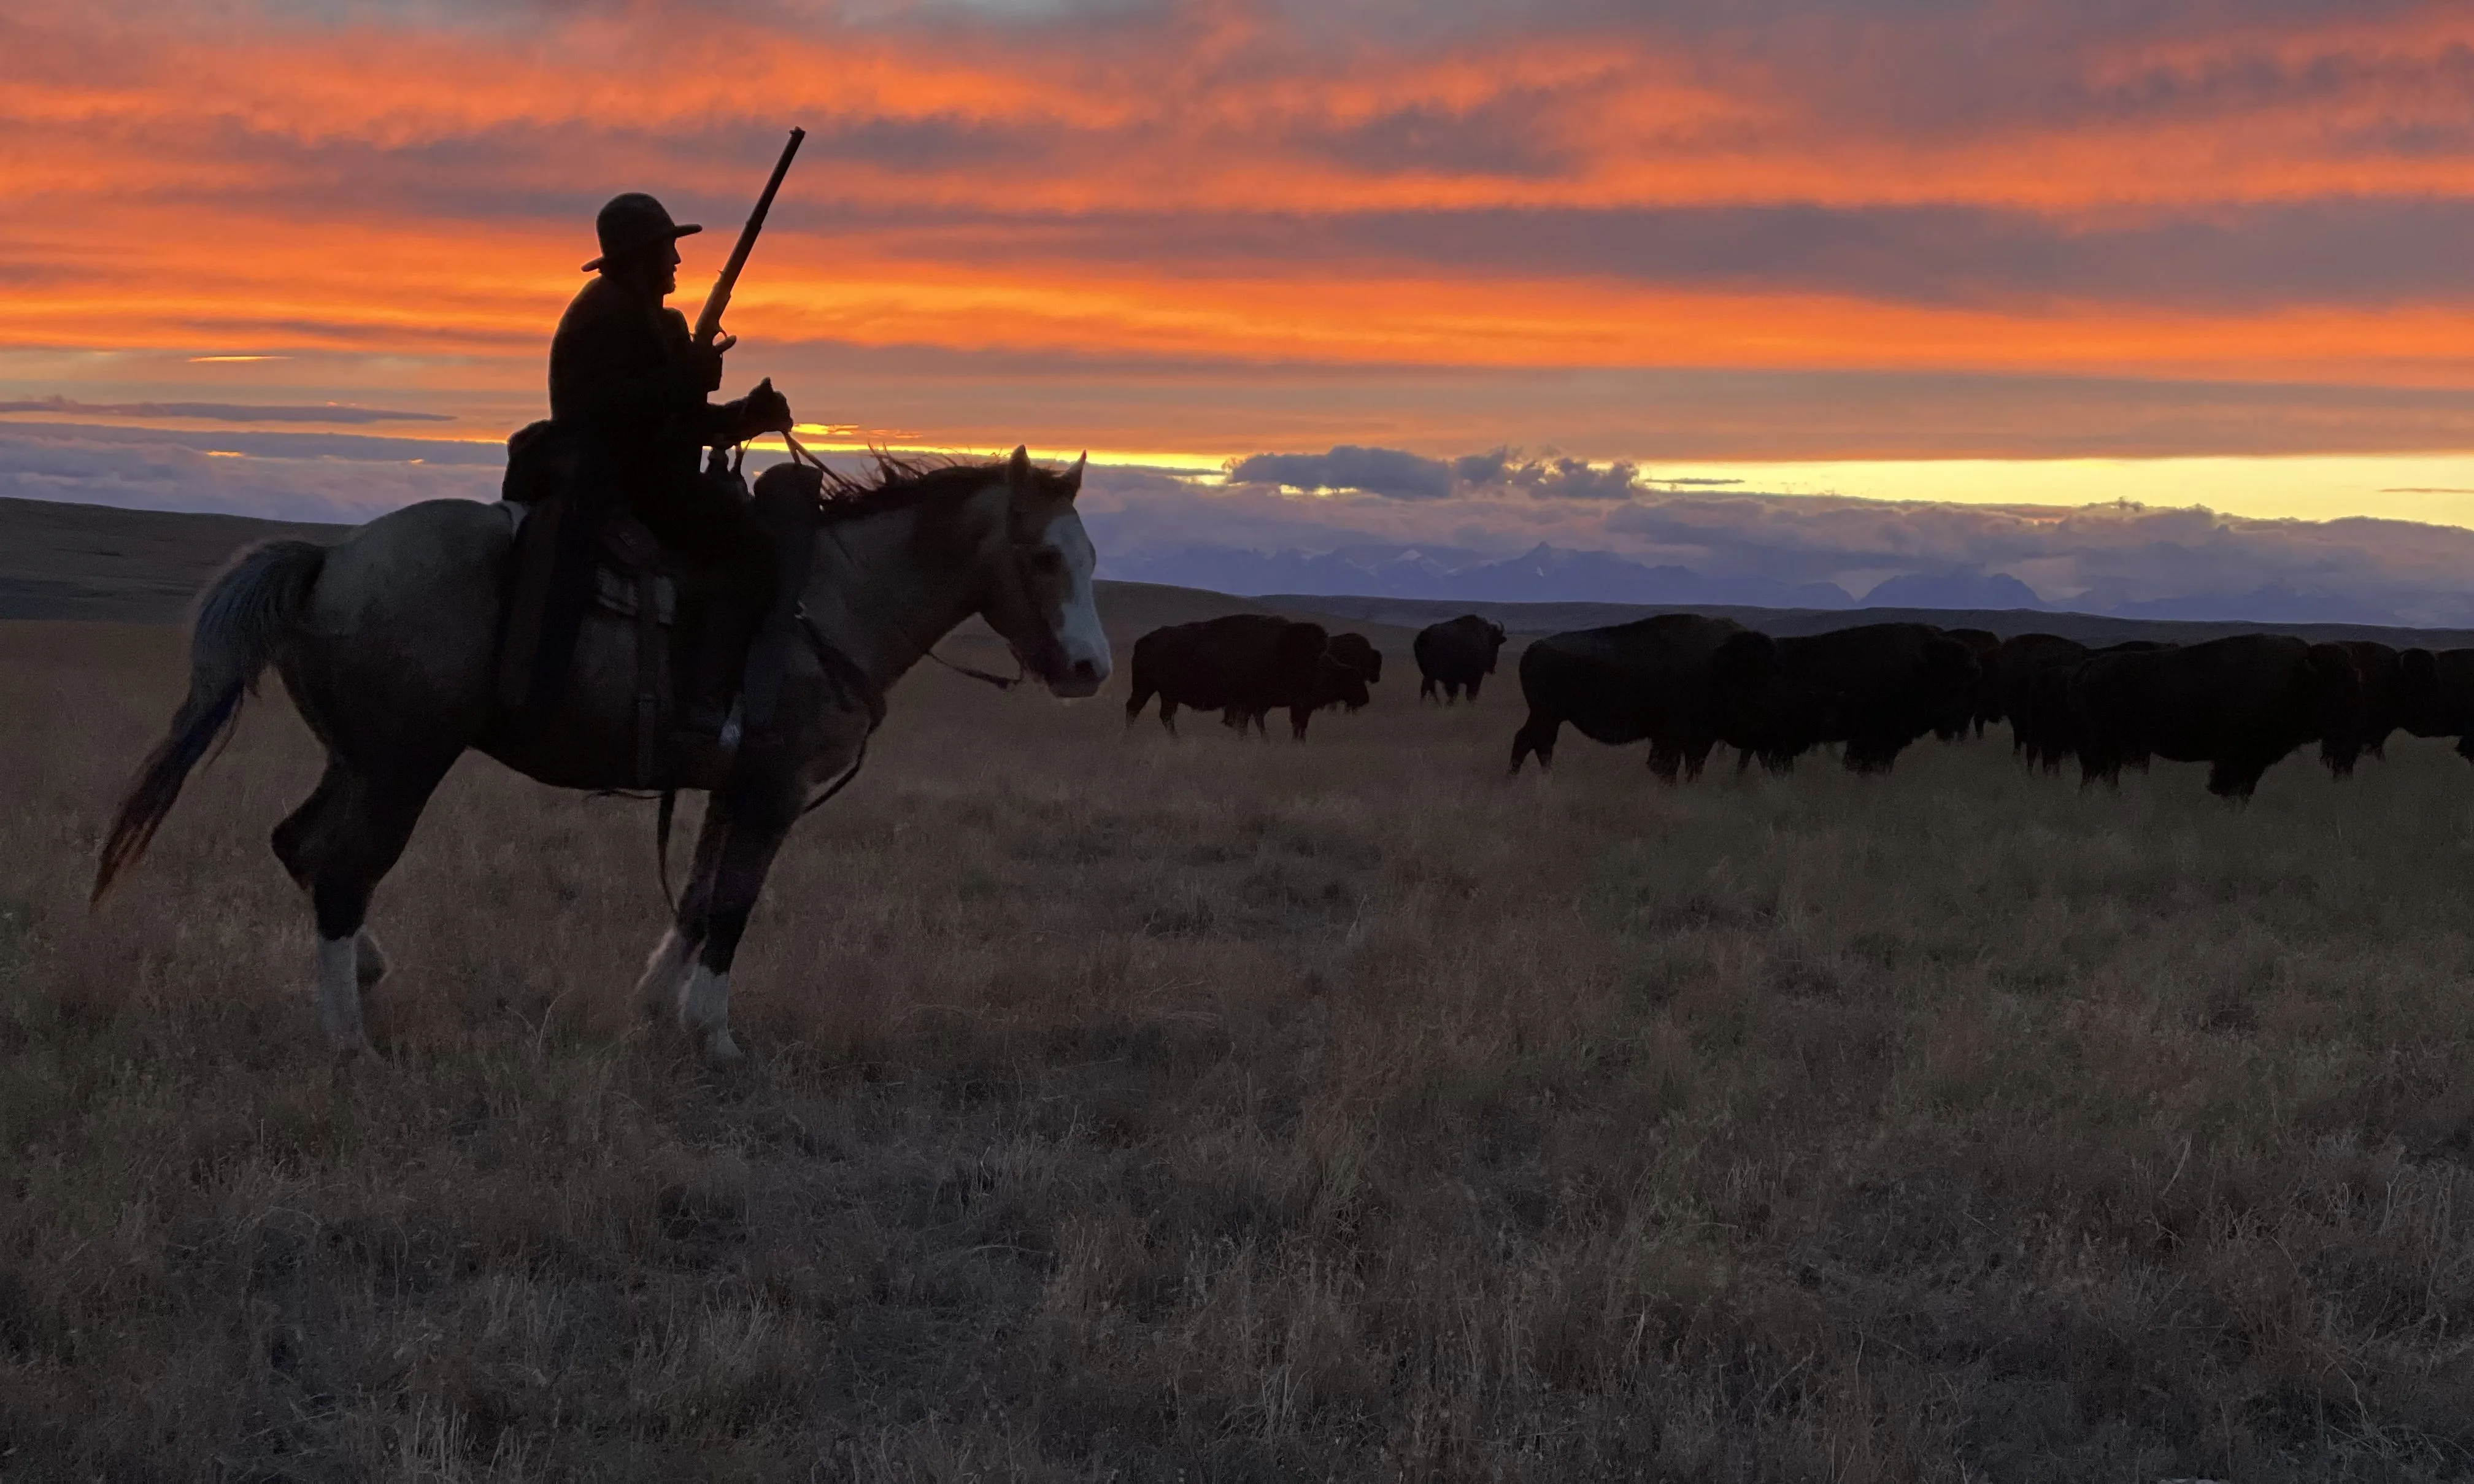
[1038,594]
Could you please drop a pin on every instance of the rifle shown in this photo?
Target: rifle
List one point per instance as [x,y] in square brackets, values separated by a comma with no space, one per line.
[708,324]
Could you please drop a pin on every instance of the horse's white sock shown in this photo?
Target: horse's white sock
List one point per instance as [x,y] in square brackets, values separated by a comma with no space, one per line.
[704,1010]
[663,987]
[339,993]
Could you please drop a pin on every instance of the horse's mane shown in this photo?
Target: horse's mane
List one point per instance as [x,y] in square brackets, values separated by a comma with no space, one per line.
[896,483]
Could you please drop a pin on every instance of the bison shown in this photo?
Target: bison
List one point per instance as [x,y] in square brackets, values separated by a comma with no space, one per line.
[2009,692]
[1247,662]
[1875,688]
[1646,679]
[1358,653]
[1981,643]
[1455,655]
[2238,704]
[2034,682]
[1354,651]
[2446,707]
[2396,684]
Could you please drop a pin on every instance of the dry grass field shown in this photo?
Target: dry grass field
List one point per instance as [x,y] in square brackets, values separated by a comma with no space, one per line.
[1122,1109]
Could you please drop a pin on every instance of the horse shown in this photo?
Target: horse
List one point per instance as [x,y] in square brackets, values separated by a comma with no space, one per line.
[386,643]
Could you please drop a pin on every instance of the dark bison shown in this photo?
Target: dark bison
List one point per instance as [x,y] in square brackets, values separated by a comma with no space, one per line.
[1247,662]
[1981,643]
[2237,704]
[2446,708]
[1456,655]
[2398,683]
[1646,679]
[1331,688]
[1875,688]
[2037,687]
[1358,653]
[2008,693]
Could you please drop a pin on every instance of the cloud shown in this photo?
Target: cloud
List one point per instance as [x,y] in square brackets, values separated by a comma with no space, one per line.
[1548,476]
[2120,557]
[104,466]
[1349,467]
[1403,475]
[350,448]
[220,411]
[2111,558]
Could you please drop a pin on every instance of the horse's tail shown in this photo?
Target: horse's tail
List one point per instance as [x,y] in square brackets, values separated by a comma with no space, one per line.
[241,616]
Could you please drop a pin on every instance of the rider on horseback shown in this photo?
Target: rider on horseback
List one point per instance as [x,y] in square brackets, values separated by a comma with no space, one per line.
[628,385]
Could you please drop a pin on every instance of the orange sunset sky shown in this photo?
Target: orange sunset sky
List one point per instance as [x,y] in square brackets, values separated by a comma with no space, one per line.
[2055,250]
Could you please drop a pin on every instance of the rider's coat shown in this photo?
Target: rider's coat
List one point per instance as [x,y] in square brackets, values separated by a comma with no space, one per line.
[623,384]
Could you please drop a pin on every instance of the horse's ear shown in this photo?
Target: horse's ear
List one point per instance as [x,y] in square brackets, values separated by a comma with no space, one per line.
[1018,468]
[1074,476]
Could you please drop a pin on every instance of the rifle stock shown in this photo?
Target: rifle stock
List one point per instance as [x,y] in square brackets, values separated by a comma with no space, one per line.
[708,324]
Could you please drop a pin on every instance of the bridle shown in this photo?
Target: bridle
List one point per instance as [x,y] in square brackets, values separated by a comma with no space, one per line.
[1021,669]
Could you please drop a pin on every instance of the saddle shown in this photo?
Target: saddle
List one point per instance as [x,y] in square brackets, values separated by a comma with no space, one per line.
[630,578]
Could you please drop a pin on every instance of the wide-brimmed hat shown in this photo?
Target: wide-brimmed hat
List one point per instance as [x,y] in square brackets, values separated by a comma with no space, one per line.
[631,223]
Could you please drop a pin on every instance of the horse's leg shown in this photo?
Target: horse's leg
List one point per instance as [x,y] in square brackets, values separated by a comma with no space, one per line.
[1168,715]
[1298,716]
[297,841]
[665,980]
[761,817]
[339,845]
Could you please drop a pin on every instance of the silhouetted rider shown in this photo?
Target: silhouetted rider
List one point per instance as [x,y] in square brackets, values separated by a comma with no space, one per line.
[628,382]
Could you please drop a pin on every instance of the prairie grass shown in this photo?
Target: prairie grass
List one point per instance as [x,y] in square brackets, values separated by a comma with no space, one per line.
[1129,1108]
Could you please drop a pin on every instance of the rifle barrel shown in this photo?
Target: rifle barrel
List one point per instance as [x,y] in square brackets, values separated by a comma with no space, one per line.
[708,324]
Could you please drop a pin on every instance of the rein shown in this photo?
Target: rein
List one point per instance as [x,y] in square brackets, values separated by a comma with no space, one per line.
[1021,671]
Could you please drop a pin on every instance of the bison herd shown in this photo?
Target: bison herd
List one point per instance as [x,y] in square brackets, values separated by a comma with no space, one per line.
[2239,704]
[1686,685]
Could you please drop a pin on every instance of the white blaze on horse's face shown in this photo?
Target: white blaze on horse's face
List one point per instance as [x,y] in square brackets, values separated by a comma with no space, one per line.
[1056,628]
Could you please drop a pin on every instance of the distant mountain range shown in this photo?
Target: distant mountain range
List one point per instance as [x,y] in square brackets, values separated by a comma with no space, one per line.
[1554,575]
[1543,574]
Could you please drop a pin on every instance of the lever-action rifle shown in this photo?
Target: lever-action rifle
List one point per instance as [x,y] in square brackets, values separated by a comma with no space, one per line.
[708,324]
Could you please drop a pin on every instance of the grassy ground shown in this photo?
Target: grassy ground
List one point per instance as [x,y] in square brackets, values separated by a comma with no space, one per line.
[1129,1109]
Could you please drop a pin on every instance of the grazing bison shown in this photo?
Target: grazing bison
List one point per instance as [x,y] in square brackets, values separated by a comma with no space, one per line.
[2446,707]
[1875,688]
[1331,687]
[1247,663]
[1457,654]
[2237,704]
[1644,679]
[1981,643]
[2396,684]
[2041,729]
[2010,693]
[1358,653]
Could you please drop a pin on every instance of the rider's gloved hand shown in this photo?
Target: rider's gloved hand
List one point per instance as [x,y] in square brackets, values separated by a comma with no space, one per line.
[704,364]
[769,411]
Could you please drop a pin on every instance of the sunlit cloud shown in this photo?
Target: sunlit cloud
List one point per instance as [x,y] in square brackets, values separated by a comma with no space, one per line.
[218,412]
